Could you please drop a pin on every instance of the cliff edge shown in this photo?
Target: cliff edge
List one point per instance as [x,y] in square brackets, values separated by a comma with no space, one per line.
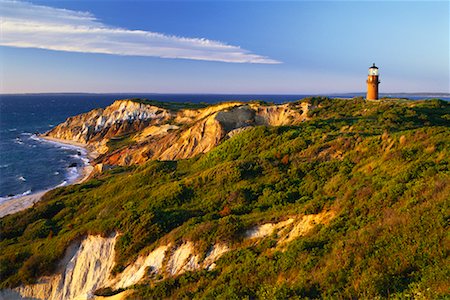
[133,131]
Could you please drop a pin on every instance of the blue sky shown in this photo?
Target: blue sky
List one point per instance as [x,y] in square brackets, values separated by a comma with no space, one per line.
[223,46]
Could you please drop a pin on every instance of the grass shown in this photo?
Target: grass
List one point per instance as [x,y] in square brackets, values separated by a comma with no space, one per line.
[383,167]
[174,106]
[120,142]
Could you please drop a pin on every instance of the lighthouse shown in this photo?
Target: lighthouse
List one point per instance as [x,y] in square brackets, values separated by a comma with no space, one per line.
[372,83]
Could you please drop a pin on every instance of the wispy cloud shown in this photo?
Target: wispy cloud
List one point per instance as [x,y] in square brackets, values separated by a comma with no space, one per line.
[27,25]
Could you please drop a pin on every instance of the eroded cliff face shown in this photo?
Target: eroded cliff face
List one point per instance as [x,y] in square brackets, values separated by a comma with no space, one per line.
[85,268]
[157,133]
[96,127]
[87,264]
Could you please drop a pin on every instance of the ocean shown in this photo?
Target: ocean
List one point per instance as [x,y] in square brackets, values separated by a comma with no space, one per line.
[29,164]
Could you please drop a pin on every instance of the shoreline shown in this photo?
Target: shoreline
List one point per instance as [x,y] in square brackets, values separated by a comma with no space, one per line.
[91,155]
[20,203]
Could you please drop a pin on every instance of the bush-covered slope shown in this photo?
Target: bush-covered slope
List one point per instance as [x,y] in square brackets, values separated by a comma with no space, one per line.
[382,167]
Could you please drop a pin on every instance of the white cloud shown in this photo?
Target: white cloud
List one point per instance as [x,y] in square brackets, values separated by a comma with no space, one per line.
[27,25]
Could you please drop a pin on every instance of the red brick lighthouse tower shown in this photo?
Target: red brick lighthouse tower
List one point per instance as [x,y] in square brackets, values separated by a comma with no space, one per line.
[372,83]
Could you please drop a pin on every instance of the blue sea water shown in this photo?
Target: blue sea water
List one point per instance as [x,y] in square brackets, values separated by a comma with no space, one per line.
[29,164]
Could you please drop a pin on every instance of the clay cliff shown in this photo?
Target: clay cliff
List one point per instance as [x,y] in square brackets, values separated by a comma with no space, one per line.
[134,131]
[87,264]
[96,127]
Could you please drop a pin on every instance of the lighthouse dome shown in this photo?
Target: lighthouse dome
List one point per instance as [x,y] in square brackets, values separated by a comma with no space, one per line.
[373,70]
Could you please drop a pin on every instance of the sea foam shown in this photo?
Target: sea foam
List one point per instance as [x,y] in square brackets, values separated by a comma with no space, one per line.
[4,199]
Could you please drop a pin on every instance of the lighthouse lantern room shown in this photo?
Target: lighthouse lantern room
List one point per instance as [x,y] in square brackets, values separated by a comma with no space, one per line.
[372,83]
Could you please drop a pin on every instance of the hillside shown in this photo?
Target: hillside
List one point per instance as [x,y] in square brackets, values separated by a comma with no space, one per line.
[345,199]
[133,131]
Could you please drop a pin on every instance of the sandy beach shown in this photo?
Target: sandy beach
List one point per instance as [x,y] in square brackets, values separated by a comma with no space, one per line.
[90,154]
[17,204]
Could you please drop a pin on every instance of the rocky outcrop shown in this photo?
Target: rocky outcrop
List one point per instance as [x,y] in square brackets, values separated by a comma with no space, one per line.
[143,266]
[163,134]
[99,125]
[279,115]
[87,265]
[85,268]
[289,229]
[167,260]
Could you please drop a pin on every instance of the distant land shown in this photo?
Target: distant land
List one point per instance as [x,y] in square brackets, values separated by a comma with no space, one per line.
[350,94]
[217,97]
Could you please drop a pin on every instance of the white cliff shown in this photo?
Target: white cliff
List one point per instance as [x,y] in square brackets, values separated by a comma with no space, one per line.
[87,265]
[144,265]
[85,268]
[94,128]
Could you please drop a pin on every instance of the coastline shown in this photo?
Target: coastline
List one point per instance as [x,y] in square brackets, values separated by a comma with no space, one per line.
[89,154]
[20,203]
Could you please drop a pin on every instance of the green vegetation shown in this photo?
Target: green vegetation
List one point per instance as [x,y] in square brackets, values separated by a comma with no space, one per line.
[382,167]
[120,142]
[174,106]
